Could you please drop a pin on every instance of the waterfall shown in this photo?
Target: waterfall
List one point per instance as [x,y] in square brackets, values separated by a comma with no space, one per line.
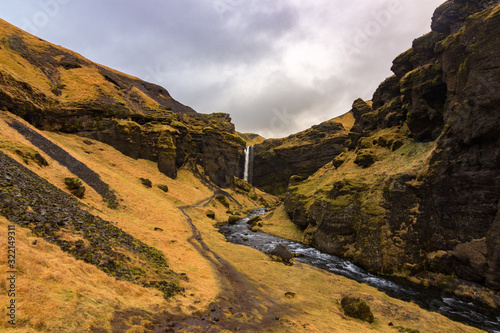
[248,157]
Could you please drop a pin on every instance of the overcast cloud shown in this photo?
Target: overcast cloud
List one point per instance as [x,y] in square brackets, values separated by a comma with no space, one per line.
[277,67]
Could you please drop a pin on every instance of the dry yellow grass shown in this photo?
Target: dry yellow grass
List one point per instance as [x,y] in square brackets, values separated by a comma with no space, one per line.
[279,224]
[57,293]
[347,120]
[318,293]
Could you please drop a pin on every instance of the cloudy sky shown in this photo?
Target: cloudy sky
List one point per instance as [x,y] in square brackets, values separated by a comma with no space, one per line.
[277,67]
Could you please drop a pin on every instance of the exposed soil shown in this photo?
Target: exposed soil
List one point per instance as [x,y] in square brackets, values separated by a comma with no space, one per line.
[240,306]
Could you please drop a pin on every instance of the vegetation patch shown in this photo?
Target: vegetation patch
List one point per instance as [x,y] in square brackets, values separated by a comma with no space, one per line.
[146,182]
[163,187]
[356,308]
[222,199]
[75,186]
[32,202]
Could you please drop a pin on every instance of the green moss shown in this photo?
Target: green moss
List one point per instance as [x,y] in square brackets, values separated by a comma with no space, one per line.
[222,199]
[357,308]
[75,186]
[164,188]
[166,141]
[234,138]
[127,126]
[342,201]
[178,125]
[242,185]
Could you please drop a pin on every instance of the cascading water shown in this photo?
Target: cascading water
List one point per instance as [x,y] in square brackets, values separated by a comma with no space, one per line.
[248,157]
[462,310]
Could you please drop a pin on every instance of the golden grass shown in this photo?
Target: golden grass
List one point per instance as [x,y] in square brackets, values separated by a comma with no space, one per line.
[279,224]
[347,120]
[251,138]
[318,293]
[58,293]
[411,158]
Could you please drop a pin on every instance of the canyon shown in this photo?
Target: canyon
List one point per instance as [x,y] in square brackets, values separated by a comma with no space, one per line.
[405,185]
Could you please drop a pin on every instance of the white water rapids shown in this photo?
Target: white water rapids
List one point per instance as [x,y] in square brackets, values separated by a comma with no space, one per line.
[461,310]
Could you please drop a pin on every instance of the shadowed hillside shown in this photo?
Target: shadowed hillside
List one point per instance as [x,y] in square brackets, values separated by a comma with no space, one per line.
[58,90]
[416,190]
[118,197]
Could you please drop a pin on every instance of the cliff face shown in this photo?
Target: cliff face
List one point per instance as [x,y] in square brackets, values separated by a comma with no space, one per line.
[301,154]
[417,188]
[58,90]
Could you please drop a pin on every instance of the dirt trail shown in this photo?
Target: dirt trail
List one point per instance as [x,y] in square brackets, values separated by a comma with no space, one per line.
[239,307]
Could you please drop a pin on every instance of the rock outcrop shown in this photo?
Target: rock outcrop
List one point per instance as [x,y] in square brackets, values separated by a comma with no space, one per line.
[56,89]
[301,154]
[418,187]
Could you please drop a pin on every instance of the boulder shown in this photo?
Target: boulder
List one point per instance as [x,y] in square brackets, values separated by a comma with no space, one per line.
[471,260]
[146,182]
[75,186]
[210,214]
[357,308]
[275,161]
[233,219]
[281,253]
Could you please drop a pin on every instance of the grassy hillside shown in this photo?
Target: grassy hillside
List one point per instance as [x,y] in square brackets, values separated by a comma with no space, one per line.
[415,191]
[58,293]
[37,75]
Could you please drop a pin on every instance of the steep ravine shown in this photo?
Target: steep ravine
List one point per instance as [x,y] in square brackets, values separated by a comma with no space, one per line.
[416,190]
[461,310]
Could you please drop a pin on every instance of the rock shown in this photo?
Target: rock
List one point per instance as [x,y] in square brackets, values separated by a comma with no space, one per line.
[289,294]
[471,257]
[75,186]
[233,219]
[254,220]
[242,185]
[300,154]
[146,182]
[282,254]
[138,118]
[210,214]
[222,199]
[164,188]
[437,113]
[295,179]
[356,308]
[493,243]
[158,229]
[360,108]
[365,159]
[40,160]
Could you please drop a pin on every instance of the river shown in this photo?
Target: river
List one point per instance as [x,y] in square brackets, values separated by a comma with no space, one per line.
[431,299]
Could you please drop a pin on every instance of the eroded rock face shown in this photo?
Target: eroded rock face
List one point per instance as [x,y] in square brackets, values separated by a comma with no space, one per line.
[170,141]
[58,90]
[428,199]
[301,154]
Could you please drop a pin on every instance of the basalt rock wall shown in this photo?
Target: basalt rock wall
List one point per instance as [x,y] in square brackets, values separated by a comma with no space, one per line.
[56,89]
[300,155]
[417,189]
